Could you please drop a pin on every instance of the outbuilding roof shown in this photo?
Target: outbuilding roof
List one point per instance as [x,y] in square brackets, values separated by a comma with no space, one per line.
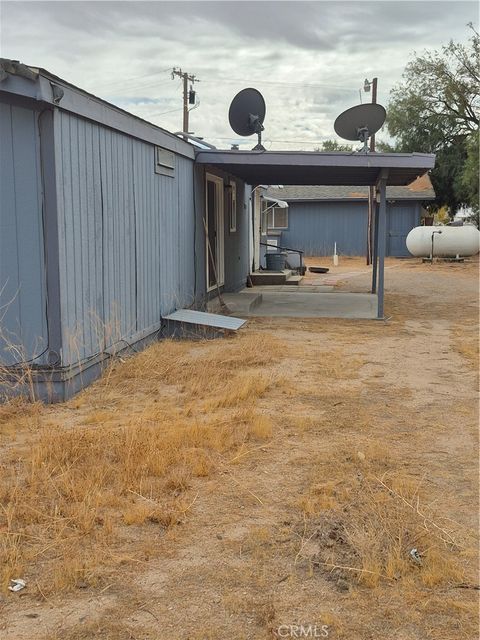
[419,189]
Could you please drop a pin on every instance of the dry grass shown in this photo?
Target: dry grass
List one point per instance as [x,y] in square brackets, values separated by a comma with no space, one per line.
[161,420]
[363,515]
[304,468]
[465,339]
[17,414]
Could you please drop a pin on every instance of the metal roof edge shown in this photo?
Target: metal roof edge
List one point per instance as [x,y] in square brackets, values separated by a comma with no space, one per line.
[381,160]
[355,154]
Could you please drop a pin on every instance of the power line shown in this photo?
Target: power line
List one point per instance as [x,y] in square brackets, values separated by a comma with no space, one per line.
[154,115]
[234,81]
[147,75]
[141,87]
[159,98]
[145,113]
[278,82]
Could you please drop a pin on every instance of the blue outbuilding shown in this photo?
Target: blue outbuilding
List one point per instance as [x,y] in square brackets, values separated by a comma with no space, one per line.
[320,216]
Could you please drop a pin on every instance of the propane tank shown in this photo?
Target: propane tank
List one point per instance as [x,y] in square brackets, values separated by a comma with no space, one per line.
[448,242]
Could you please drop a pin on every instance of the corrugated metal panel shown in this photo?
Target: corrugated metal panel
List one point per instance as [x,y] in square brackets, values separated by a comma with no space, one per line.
[126,237]
[22,268]
[206,319]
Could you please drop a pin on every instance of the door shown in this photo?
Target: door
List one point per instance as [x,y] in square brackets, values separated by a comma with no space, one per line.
[401,220]
[256,202]
[214,232]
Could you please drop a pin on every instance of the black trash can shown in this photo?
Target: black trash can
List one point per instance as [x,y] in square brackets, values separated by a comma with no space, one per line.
[275,261]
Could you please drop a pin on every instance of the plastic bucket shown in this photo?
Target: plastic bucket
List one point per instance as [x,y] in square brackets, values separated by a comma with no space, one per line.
[293,259]
[275,261]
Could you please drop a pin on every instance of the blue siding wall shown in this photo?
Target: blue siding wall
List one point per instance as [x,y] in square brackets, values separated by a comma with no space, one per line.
[236,244]
[401,218]
[126,237]
[22,268]
[315,227]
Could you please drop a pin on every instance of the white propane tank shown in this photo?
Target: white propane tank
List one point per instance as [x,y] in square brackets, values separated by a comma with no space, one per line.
[449,242]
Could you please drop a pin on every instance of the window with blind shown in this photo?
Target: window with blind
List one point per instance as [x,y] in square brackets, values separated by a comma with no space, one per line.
[277,218]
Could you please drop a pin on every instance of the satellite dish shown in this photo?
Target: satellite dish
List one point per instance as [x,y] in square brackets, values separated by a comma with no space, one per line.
[360,122]
[247,113]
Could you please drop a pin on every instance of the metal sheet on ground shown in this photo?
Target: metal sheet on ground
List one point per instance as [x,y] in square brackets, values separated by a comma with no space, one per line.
[206,319]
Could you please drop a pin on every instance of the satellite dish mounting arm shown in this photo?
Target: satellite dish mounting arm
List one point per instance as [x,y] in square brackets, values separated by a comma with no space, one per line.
[257,127]
[363,135]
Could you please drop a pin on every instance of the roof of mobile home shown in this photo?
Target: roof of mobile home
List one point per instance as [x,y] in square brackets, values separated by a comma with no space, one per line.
[42,86]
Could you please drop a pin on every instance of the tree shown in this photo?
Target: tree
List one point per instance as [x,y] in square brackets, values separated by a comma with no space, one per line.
[333,145]
[435,109]
[447,175]
[470,175]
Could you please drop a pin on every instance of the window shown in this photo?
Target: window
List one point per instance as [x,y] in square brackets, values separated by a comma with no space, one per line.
[277,218]
[231,205]
[164,162]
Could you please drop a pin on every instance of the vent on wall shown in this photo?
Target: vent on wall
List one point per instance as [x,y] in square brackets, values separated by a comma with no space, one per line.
[164,162]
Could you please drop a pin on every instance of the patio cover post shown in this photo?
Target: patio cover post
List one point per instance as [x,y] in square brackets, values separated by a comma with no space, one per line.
[375,245]
[382,239]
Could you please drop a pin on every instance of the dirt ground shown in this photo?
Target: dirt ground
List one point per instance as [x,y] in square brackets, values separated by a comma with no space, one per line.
[351,444]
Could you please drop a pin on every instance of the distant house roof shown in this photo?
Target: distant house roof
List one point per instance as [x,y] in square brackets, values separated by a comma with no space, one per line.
[419,189]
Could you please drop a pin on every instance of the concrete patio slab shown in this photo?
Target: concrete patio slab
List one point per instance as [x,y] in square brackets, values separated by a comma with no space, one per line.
[296,304]
[241,304]
[308,288]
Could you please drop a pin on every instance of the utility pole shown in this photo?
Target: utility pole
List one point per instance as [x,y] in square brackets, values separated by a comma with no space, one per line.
[371,189]
[188,95]
[374,101]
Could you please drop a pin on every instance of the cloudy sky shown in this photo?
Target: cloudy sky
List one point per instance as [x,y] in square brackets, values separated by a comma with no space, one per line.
[309,59]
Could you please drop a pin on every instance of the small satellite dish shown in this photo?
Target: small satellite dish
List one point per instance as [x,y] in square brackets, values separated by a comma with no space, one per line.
[360,122]
[247,113]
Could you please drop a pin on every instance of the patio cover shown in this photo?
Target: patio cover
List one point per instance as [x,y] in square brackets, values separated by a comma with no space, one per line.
[319,168]
[312,168]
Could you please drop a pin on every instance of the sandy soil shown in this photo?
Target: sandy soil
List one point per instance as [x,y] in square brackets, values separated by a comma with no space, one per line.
[268,544]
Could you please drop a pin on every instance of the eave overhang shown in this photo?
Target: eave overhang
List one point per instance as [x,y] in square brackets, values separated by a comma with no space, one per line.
[312,168]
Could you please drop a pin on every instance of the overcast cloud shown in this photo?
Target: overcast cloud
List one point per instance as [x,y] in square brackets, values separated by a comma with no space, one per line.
[309,59]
